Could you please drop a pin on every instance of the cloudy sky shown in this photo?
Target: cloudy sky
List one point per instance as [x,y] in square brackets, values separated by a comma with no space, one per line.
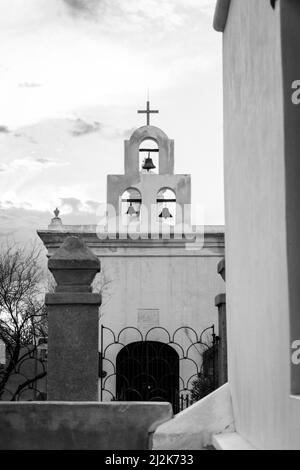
[73,74]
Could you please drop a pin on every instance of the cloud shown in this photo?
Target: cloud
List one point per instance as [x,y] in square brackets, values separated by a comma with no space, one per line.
[29,85]
[127,45]
[71,204]
[5,217]
[44,161]
[116,133]
[103,61]
[21,221]
[19,224]
[93,205]
[82,127]
[87,6]
[25,136]
[8,205]
[30,163]
[137,15]
[75,206]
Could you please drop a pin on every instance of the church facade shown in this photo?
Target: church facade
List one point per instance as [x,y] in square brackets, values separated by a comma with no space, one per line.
[158,276]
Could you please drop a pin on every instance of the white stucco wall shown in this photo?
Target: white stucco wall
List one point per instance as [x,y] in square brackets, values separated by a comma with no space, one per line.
[178,285]
[256,239]
[181,288]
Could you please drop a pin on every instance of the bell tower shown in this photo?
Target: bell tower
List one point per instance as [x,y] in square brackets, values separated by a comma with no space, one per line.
[149,192]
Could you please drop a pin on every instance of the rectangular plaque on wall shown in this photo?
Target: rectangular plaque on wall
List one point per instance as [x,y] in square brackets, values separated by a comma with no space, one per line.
[147,318]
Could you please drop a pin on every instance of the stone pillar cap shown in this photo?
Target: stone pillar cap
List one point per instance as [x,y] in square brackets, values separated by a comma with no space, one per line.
[220,300]
[74,254]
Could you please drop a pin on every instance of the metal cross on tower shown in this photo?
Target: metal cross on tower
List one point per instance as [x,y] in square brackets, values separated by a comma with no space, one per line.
[148,111]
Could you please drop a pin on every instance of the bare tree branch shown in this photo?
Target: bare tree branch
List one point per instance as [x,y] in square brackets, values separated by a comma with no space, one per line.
[23,316]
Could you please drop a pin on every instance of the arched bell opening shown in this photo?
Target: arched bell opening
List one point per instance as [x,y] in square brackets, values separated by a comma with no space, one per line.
[166,206]
[131,201]
[149,156]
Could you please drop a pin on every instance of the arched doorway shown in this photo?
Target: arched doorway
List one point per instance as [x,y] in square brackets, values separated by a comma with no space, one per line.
[148,371]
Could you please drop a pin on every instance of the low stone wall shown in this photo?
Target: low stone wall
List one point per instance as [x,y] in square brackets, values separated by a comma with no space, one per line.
[78,425]
[193,428]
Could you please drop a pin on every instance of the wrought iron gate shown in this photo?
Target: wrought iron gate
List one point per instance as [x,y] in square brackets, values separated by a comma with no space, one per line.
[157,365]
[27,376]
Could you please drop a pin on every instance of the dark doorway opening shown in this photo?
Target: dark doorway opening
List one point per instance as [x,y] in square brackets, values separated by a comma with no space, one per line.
[148,371]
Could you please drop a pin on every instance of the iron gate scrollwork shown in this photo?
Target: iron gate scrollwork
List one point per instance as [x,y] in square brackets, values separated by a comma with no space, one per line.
[25,379]
[180,367]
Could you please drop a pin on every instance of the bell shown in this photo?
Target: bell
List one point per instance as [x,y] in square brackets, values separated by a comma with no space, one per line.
[148,163]
[131,211]
[165,213]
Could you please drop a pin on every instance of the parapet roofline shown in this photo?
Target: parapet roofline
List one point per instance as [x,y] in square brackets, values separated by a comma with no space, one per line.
[92,229]
[221,15]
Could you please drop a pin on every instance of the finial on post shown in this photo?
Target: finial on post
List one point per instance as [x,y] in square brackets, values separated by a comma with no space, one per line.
[56,221]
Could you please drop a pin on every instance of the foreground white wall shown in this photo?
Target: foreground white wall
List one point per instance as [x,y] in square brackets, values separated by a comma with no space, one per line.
[258,299]
[193,428]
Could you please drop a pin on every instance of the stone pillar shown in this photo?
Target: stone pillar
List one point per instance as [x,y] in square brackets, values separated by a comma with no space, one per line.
[220,302]
[73,324]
